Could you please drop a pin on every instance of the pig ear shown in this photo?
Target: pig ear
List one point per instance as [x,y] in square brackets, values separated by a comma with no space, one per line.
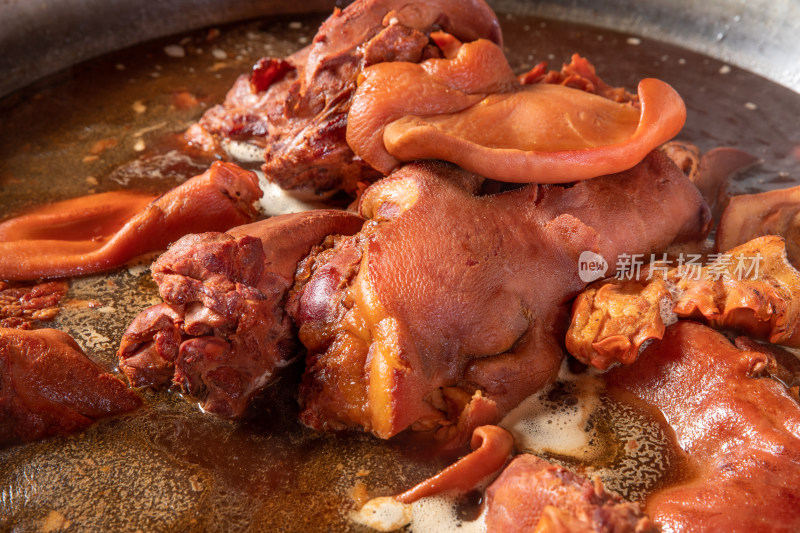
[532,155]
[389,91]
[491,445]
[462,110]
[749,215]
[100,232]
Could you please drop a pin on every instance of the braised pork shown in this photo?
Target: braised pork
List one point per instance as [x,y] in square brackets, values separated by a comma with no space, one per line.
[296,109]
[534,495]
[738,425]
[752,289]
[48,386]
[443,312]
[222,332]
[100,232]
[472,111]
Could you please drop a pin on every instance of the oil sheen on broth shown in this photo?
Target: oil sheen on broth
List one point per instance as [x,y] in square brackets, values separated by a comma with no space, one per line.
[115,122]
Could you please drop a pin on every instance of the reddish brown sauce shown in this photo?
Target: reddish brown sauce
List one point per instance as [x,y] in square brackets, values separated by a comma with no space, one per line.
[112,124]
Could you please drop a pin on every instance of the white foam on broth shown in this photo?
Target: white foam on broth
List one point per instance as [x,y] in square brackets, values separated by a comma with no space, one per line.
[438,514]
[543,424]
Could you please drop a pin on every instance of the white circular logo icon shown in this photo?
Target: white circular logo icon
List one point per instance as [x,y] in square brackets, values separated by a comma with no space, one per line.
[591,266]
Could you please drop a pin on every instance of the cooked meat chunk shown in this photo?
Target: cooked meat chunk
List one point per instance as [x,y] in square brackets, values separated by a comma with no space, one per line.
[48,386]
[752,289]
[710,172]
[579,73]
[222,332]
[23,304]
[100,232]
[444,311]
[297,108]
[768,213]
[472,111]
[739,427]
[534,495]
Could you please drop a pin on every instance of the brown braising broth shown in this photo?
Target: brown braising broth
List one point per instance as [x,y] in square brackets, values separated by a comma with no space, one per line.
[113,123]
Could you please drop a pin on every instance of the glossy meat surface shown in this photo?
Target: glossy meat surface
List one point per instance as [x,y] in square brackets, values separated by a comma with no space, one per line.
[21,305]
[443,312]
[297,109]
[768,213]
[711,171]
[100,232]
[48,386]
[472,111]
[222,333]
[739,427]
[491,449]
[534,495]
[753,289]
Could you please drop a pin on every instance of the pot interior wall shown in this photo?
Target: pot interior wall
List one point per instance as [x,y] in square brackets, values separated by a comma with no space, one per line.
[40,37]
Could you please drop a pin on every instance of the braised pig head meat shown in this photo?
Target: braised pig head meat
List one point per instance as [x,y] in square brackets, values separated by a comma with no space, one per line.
[48,386]
[222,332]
[752,289]
[470,109]
[296,109]
[739,426]
[445,310]
[100,232]
[534,495]
[767,213]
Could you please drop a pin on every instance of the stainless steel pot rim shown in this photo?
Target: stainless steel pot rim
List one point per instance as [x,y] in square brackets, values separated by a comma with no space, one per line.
[41,37]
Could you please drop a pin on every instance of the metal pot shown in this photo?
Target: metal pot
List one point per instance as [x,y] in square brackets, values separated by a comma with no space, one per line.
[166,473]
[39,37]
